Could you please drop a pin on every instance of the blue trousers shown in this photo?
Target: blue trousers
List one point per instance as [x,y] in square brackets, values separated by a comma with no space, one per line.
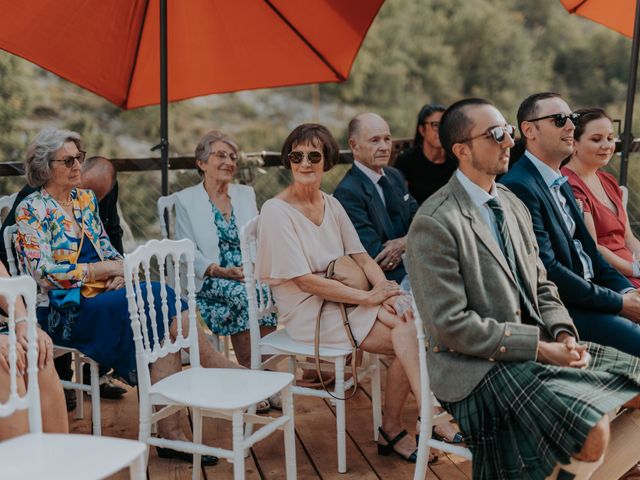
[607,329]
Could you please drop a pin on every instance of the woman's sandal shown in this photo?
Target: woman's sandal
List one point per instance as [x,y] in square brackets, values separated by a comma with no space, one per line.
[457,439]
[391,442]
[263,407]
[433,457]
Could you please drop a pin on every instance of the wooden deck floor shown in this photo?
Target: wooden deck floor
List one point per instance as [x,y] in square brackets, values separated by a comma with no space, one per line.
[316,444]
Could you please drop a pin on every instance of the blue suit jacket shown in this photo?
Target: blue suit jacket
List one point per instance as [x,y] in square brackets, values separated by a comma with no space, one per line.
[359,197]
[557,250]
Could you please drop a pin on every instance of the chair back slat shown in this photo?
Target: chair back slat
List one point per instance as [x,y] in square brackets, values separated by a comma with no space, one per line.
[177,286]
[149,346]
[12,289]
[6,202]
[260,303]
[165,204]
[10,235]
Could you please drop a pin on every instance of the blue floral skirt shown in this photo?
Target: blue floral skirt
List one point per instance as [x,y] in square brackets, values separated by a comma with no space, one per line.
[224,306]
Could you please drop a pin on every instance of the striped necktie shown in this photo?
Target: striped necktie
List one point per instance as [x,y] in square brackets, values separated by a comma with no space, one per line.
[510,254]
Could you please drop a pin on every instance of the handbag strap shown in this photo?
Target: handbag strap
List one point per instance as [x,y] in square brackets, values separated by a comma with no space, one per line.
[354,346]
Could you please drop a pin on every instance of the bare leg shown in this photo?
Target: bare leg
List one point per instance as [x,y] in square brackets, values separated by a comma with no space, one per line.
[52,403]
[17,423]
[242,345]
[633,403]
[596,443]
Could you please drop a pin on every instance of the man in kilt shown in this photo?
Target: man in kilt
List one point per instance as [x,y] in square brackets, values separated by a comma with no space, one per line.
[503,353]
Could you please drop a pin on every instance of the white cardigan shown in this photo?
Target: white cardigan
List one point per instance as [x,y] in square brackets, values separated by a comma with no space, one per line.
[194,220]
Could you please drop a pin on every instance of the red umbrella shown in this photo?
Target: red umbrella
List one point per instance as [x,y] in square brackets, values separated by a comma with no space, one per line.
[622,16]
[113,48]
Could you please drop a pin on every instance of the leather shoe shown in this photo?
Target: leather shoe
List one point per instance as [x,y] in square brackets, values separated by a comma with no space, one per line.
[112,391]
[205,460]
[70,399]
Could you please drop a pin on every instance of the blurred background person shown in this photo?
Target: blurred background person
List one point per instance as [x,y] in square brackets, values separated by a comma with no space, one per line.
[425,165]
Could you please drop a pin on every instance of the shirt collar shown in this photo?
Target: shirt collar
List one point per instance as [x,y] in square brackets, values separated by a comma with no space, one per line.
[478,195]
[549,175]
[371,174]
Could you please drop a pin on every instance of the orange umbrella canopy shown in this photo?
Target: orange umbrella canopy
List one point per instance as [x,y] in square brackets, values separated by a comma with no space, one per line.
[618,15]
[112,47]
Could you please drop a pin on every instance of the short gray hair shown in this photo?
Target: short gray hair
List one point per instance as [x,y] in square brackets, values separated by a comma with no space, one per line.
[203,149]
[41,151]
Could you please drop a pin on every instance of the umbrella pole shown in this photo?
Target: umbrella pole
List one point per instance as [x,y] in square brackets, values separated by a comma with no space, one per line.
[627,136]
[164,104]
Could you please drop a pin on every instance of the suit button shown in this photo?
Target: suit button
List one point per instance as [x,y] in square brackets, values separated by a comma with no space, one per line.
[503,349]
[492,359]
[436,349]
[507,333]
[518,312]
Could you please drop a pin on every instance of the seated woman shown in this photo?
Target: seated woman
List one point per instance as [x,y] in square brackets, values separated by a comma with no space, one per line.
[64,245]
[425,165]
[599,193]
[301,231]
[52,405]
[211,214]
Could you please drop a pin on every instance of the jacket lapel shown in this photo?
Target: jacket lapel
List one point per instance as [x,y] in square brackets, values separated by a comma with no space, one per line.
[478,225]
[378,209]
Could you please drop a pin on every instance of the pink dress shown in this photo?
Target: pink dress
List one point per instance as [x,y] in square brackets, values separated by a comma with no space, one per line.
[289,246]
[610,226]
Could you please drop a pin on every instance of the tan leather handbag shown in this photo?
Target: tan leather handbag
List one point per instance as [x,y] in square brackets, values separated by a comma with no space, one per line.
[346,271]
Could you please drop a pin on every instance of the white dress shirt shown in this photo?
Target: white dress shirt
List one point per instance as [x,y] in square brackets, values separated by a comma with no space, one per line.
[373,176]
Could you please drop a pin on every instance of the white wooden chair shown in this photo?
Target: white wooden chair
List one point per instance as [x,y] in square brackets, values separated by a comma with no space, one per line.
[625,196]
[78,358]
[428,420]
[54,456]
[6,202]
[222,393]
[167,205]
[280,345]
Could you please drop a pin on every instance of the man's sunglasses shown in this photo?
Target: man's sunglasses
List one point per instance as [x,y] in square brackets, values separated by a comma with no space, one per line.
[559,119]
[296,157]
[69,160]
[498,133]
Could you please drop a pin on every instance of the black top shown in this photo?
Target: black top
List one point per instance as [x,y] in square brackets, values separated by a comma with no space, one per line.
[107,210]
[424,177]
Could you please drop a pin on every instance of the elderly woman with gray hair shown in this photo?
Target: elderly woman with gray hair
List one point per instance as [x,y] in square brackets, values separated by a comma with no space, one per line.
[83,303]
[211,214]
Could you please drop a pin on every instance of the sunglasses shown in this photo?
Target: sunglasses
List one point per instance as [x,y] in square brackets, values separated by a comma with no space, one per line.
[314,156]
[70,160]
[559,119]
[223,155]
[498,133]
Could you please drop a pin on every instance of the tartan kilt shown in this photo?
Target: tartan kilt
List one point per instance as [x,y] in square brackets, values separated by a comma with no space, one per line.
[525,417]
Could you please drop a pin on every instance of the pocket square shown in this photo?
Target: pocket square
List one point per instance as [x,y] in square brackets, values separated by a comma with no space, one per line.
[406,197]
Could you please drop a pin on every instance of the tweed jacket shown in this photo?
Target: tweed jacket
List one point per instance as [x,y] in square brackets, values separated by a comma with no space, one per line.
[48,243]
[467,295]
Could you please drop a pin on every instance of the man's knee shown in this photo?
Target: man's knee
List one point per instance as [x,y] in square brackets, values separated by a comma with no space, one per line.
[596,443]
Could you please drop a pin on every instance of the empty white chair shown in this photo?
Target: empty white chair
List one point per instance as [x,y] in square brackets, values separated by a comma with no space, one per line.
[166,210]
[222,393]
[54,456]
[625,196]
[280,345]
[6,202]
[78,358]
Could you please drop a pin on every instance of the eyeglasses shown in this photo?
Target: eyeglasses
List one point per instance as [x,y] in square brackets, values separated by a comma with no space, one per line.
[223,155]
[433,125]
[70,160]
[314,156]
[498,133]
[559,119]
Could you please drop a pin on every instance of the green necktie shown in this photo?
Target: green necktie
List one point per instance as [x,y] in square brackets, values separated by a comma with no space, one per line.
[526,303]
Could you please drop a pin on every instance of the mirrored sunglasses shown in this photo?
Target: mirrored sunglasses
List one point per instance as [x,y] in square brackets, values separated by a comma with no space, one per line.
[314,156]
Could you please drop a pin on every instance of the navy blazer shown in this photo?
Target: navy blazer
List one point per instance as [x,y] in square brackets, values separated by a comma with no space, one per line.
[557,251]
[359,197]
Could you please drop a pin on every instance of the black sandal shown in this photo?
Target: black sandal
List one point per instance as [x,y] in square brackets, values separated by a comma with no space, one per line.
[391,442]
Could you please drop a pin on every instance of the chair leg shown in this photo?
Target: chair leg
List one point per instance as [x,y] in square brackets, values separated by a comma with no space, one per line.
[340,416]
[248,427]
[226,340]
[291,366]
[95,398]
[79,372]
[238,447]
[196,420]
[376,402]
[289,434]
[138,469]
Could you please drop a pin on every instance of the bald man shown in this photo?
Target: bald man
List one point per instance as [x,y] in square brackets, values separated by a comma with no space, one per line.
[375,195]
